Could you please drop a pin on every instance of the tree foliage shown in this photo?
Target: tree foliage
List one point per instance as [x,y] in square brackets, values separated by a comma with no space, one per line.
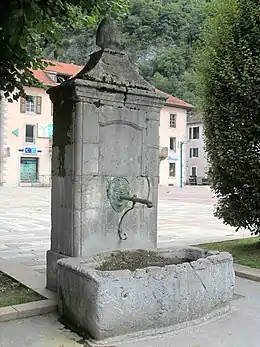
[228,65]
[159,36]
[162,42]
[27,25]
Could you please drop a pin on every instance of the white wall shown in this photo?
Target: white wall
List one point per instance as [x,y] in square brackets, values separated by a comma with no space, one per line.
[179,132]
[201,161]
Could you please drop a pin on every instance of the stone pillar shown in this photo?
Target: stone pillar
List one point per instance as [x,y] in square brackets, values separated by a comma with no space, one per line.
[106,126]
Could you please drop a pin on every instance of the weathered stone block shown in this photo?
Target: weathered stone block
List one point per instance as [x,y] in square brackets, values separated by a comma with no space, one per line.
[106,125]
[105,304]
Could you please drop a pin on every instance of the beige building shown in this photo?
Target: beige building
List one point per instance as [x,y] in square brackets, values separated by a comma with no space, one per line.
[26,131]
[173,136]
[26,134]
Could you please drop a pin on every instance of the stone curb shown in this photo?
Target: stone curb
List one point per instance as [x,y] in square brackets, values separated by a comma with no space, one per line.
[36,282]
[35,308]
[247,272]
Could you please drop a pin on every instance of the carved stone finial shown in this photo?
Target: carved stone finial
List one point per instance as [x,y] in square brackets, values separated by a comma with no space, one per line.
[108,35]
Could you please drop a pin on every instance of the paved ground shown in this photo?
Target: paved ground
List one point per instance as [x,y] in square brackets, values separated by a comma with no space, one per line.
[238,329]
[185,217]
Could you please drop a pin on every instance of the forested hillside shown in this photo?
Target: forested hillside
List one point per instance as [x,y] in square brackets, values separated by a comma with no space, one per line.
[159,36]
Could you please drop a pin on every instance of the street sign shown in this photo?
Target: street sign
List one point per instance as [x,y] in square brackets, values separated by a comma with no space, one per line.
[45,130]
[50,131]
[15,132]
[172,156]
[30,150]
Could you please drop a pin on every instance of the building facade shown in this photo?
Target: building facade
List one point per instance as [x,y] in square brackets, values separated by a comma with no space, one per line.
[173,135]
[26,129]
[195,152]
[27,150]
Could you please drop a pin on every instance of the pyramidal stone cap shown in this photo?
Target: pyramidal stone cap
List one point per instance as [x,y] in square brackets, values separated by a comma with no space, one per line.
[110,65]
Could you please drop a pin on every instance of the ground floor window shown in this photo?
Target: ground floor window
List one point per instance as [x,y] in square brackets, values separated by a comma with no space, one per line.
[194,171]
[194,152]
[172,170]
[29,169]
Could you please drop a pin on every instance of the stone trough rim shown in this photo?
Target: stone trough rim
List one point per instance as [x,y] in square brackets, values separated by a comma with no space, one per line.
[89,264]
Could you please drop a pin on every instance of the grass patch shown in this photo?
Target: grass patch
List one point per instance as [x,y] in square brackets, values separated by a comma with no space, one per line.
[245,251]
[14,293]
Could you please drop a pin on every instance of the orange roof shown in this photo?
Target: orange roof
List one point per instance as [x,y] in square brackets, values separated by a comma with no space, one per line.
[173,101]
[72,70]
[60,68]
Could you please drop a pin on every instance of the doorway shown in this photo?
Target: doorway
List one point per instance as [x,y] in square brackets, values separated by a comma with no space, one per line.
[29,169]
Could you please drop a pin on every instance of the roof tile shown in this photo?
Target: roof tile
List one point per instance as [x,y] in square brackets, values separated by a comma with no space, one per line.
[172,100]
[60,68]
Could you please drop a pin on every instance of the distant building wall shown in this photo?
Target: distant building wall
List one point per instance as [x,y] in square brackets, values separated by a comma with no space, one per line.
[28,155]
[171,136]
[195,151]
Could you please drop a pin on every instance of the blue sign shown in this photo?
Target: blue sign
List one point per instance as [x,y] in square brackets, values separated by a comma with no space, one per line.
[50,131]
[30,150]
[172,159]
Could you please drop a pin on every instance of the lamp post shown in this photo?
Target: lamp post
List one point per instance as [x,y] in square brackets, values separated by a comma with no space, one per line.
[181,160]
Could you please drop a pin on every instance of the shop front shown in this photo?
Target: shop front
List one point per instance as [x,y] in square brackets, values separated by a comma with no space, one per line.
[29,169]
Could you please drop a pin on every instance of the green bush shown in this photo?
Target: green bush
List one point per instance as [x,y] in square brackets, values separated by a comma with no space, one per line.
[228,65]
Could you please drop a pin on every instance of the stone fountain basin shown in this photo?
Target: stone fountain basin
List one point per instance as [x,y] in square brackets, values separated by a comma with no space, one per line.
[103,304]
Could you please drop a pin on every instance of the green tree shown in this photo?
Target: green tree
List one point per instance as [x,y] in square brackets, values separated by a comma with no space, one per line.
[26,24]
[228,64]
[159,36]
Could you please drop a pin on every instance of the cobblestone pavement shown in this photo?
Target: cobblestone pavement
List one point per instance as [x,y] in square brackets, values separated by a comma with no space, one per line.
[185,217]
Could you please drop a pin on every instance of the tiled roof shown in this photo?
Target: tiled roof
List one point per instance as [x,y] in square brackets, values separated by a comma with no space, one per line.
[72,70]
[60,68]
[173,101]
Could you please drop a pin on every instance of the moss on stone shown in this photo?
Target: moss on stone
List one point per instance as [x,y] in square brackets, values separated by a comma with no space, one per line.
[138,259]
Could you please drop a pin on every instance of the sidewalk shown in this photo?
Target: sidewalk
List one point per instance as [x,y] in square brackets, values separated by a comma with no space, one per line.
[238,329]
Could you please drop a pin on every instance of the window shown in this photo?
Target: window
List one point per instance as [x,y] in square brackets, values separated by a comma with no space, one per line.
[173,144]
[194,133]
[29,133]
[194,152]
[173,120]
[172,169]
[194,171]
[62,78]
[32,105]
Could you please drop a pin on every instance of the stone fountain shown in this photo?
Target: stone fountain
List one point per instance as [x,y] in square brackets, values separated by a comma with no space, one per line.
[104,263]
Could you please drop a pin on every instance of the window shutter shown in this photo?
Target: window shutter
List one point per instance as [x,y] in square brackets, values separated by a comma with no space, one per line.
[190,134]
[22,105]
[38,104]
